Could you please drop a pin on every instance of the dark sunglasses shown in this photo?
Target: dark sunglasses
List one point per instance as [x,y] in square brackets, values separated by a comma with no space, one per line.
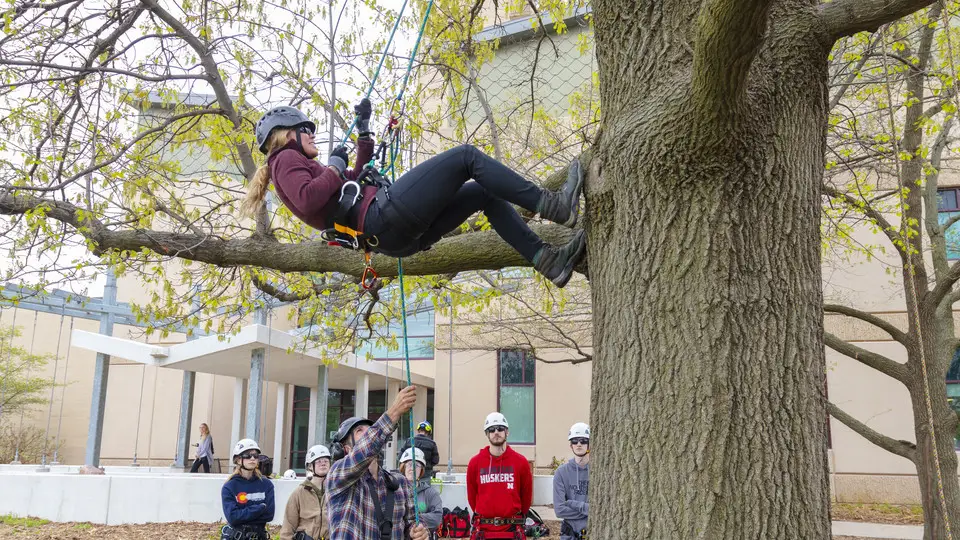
[305,129]
[579,441]
[496,429]
[249,455]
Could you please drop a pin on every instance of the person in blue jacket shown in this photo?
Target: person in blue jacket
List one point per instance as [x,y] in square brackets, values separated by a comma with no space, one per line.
[247,497]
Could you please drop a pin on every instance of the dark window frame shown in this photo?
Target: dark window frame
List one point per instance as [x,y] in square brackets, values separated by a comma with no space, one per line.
[525,355]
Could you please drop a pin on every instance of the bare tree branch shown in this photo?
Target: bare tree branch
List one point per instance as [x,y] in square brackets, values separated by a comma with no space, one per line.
[905,449]
[876,361]
[886,326]
[933,298]
[729,34]
[847,17]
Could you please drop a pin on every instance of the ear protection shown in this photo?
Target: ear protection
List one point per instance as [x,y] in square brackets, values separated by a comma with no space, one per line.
[337,452]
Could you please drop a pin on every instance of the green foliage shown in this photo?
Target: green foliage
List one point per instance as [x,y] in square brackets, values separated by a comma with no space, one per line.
[22,378]
[25,522]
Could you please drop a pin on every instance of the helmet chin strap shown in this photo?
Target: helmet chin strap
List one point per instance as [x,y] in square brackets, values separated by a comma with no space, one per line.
[300,143]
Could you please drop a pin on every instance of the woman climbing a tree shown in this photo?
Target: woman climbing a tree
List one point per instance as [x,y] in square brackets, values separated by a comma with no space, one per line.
[430,200]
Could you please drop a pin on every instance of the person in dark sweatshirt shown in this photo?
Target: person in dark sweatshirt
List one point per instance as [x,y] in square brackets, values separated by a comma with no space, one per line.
[571,484]
[499,484]
[427,202]
[247,497]
[425,443]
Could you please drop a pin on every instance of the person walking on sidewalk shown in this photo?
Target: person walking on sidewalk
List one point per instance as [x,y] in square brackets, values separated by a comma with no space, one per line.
[571,484]
[499,485]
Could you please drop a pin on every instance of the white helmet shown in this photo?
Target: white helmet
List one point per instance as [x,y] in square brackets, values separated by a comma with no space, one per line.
[243,445]
[495,419]
[579,431]
[290,474]
[314,453]
[410,452]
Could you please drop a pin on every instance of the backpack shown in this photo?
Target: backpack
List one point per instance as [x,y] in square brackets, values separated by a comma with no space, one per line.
[455,523]
[535,528]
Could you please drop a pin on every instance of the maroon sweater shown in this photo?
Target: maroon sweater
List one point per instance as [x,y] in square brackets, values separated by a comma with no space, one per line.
[311,190]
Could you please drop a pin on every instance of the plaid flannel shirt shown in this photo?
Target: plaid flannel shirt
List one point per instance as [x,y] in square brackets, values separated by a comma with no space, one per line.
[351,489]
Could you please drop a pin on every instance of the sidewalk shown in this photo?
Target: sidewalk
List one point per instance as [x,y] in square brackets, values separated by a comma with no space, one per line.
[877,530]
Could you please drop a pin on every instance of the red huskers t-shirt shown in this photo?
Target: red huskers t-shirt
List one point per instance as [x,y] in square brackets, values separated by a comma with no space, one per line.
[499,486]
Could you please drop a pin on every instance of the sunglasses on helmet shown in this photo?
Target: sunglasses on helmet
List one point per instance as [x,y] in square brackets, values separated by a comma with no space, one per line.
[496,429]
[250,455]
[579,441]
[306,130]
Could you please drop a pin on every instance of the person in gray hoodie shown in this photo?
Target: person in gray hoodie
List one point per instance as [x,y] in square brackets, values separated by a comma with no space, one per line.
[571,485]
[429,504]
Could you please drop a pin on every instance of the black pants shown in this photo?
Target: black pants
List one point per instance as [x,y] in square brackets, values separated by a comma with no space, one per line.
[197,463]
[436,196]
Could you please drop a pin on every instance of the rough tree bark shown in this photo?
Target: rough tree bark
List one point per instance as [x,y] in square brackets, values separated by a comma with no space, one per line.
[705,204]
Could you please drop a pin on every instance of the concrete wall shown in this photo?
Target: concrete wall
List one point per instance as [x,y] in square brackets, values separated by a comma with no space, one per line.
[118,498]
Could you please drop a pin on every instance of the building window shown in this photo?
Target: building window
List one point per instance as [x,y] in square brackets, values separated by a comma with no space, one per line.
[948,206]
[953,391]
[516,393]
[387,340]
[299,427]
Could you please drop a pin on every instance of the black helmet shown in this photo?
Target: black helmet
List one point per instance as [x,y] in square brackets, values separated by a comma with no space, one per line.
[279,117]
[347,426]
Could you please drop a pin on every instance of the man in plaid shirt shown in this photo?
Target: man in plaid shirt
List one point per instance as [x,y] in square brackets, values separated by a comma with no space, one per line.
[355,480]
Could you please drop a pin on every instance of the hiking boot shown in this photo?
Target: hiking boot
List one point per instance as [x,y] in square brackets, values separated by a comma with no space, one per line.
[556,263]
[563,206]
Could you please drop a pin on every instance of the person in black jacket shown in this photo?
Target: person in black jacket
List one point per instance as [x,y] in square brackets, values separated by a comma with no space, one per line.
[425,443]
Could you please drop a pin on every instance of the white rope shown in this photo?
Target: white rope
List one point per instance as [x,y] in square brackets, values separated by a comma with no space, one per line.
[16,455]
[53,385]
[66,367]
[136,440]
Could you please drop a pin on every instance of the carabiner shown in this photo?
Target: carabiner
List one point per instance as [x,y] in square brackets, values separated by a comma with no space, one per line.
[369,278]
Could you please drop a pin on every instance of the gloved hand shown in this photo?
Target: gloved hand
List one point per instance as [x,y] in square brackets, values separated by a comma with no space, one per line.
[363,111]
[339,158]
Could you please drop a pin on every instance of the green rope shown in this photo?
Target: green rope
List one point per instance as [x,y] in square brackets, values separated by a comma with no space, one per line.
[406,358]
[376,74]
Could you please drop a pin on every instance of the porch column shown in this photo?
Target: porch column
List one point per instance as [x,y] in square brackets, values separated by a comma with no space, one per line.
[186,418]
[101,373]
[319,403]
[278,430]
[236,425]
[420,407]
[361,405]
[312,418]
[390,455]
[256,383]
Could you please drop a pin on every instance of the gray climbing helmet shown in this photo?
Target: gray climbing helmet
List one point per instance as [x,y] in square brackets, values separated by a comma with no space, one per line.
[280,117]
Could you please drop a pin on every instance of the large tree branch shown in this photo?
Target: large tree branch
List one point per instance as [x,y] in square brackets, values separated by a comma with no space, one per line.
[475,251]
[847,17]
[933,298]
[729,34]
[886,326]
[905,449]
[871,359]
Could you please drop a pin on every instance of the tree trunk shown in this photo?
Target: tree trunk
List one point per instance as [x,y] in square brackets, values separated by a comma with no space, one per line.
[704,250]
[938,337]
